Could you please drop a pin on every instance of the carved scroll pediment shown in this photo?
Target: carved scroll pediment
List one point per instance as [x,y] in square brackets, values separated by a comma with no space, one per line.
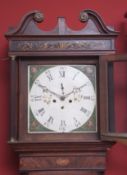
[94,37]
[94,25]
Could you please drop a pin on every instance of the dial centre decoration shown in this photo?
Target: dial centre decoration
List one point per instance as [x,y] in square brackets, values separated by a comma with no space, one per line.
[62,98]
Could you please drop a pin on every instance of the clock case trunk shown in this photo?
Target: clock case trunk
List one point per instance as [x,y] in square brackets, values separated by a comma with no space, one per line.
[61,153]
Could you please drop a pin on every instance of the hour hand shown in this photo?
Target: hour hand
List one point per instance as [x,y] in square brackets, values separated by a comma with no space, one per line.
[53,93]
[47,94]
[46,90]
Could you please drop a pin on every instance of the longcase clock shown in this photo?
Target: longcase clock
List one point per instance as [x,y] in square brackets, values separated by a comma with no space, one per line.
[58,95]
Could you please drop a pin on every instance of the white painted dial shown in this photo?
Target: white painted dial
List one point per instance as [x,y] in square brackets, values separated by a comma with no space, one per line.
[62,98]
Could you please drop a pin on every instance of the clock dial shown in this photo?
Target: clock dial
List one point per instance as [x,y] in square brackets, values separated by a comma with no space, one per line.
[62,98]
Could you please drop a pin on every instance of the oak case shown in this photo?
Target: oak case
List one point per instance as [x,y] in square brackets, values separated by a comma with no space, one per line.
[59,153]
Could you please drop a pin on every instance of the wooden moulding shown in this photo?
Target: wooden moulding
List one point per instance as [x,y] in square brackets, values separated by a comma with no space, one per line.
[94,38]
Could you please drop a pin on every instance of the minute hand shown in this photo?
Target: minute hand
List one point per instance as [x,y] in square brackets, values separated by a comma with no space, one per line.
[83,86]
[45,89]
[57,95]
[75,88]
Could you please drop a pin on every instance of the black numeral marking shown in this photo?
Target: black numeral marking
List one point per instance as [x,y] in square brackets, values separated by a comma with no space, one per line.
[62,126]
[35,98]
[74,77]
[49,121]
[76,122]
[40,112]
[37,82]
[62,72]
[85,97]
[93,98]
[49,76]
[85,111]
